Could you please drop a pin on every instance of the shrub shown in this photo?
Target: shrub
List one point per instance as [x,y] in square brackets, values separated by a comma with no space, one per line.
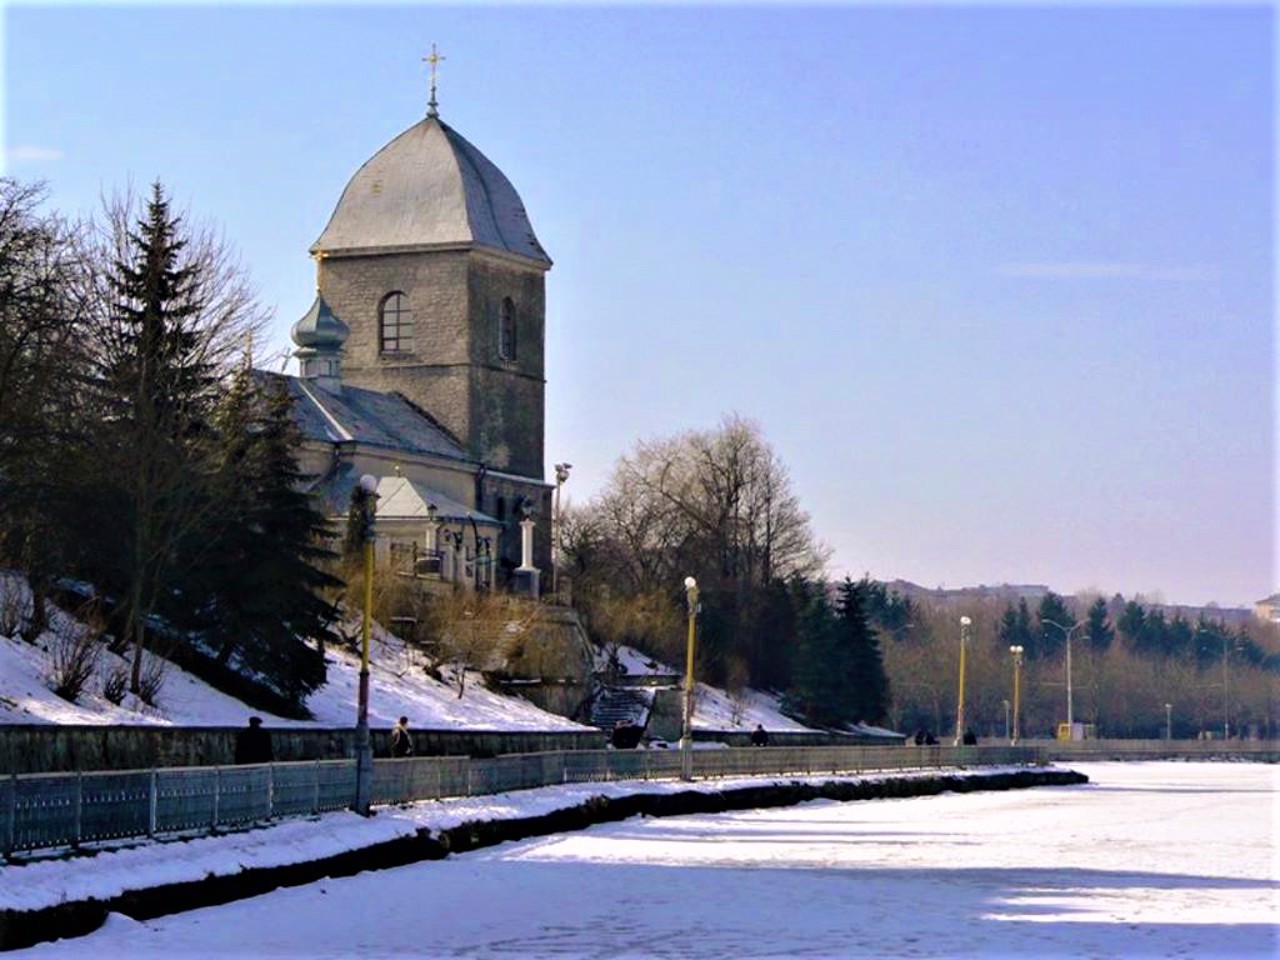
[74,657]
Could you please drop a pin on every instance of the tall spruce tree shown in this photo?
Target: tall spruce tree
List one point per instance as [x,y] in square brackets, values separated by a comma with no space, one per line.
[1055,622]
[1015,627]
[157,391]
[817,689]
[261,580]
[1099,632]
[168,311]
[867,685]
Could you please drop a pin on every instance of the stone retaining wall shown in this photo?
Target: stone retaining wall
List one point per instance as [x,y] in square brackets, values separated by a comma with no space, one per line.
[50,748]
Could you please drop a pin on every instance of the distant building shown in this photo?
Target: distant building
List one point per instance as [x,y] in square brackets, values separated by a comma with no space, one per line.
[1268,610]
[422,361]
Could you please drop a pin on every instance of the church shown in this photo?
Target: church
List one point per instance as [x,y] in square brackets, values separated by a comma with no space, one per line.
[422,363]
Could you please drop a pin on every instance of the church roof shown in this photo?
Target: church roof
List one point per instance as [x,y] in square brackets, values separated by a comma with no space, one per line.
[368,418]
[320,327]
[429,188]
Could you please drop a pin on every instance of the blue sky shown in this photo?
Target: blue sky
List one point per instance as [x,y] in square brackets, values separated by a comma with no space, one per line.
[996,282]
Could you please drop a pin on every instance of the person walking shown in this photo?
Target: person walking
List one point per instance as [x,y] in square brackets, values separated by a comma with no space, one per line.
[759,736]
[401,741]
[253,744]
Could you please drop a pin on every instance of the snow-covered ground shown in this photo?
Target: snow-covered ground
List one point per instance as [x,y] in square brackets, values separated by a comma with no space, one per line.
[1148,860]
[399,686]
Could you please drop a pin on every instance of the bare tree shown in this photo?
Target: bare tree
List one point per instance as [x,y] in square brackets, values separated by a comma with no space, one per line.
[41,333]
[474,631]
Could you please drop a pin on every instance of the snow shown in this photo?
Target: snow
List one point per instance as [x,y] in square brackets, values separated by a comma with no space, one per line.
[1149,860]
[398,686]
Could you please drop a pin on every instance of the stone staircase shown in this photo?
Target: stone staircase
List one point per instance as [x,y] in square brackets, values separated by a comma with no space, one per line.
[621,703]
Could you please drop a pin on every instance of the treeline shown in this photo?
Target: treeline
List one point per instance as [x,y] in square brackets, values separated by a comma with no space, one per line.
[718,505]
[1128,661]
[141,457]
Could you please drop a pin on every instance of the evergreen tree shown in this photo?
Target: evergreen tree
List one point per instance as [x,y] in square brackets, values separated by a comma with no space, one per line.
[262,578]
[156,390]
[817,694]
[1099,632]
[1131,622]
[1055,622]
[773,669]
[1015,627]
[867,685]
[1152,640]
[1179,639]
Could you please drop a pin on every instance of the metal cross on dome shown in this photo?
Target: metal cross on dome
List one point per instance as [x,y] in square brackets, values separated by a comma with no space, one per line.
[433,59]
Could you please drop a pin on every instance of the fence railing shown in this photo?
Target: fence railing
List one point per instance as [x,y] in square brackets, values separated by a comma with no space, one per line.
[40,811]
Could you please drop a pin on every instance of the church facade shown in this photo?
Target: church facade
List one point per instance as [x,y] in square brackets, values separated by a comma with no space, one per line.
[422,362]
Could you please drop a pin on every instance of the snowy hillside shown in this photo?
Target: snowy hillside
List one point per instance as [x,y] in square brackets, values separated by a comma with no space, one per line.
[398,684]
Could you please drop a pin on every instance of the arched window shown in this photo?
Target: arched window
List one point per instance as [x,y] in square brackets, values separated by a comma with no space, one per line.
[507,330]
[395,324]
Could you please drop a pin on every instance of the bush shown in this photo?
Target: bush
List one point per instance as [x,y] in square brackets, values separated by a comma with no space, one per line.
[74,658]
[13,606]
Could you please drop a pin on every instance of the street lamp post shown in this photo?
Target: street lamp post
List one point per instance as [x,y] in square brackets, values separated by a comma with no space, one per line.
[1016,650]
[1168,721]
[1226,703]
[367,499]
[562,474]
[686,732]
[1066,632]
[964,643]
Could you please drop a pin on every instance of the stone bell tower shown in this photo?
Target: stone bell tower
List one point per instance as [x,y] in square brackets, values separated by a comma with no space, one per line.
[429,258]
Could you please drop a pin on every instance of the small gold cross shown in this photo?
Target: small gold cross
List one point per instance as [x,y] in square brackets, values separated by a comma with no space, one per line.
[433,59]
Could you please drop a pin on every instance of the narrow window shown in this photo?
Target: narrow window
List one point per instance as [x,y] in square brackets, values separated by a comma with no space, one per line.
[395,324]
[507,330]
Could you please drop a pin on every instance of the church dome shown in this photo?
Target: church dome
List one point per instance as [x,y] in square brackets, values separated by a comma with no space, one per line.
[320,327]
[429,188]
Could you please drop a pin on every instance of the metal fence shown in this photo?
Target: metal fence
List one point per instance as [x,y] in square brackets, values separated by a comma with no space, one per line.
[42,811]
[69,809]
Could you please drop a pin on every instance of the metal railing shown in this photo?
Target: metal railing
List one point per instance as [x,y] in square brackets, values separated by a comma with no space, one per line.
[40,811]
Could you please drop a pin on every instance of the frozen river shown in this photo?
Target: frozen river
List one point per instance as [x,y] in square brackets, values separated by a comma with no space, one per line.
[1148,860]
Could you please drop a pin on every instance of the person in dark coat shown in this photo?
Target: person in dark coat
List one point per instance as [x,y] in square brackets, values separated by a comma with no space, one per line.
[759,737]
[253,745]
[401,742]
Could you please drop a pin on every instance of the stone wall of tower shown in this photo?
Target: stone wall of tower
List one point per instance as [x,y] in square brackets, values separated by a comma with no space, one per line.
[455,372]
[508,397]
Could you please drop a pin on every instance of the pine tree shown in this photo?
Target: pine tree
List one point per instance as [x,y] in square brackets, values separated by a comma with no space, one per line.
[1099,631]
[1131,622]
[774,668]
[817,691]
[1055,622]
[1015,627]
[156,390]
[262,578]
[867,696]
